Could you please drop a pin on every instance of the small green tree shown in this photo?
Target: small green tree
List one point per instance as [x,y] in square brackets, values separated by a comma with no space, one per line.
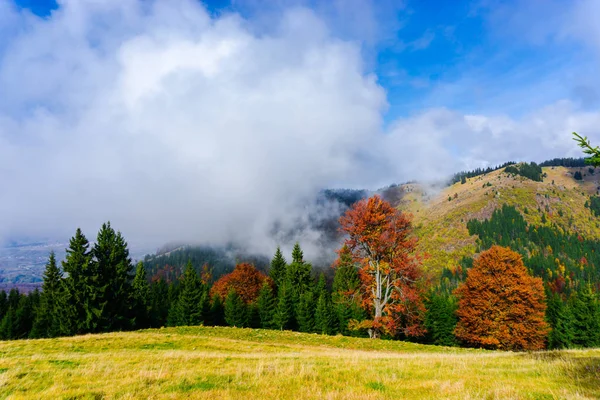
[141,297]
[441,319]
[278,268]
[586,318]
[266,306]
[284,312]
[235,310]
[559,316]
[47,322]
[188,311]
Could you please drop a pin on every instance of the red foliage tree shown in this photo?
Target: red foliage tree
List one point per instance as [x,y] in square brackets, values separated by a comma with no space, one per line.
[245,279]
[381,242]
[500,305]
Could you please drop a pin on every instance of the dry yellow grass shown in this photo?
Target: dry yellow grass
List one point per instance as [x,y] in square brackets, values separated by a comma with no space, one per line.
[229,363]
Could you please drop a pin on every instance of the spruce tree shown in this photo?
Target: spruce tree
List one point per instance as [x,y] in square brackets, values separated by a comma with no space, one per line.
[77,305]
[47,322]
[141,297]
[8,324]
[3,303]
[345,295]
[305,312]
[284,312]
[217,312]
[559,316]
[235,310]
[441,319]
[25,315]
[112,295]
[324,315]
[324,319]
[159,303]
[189,312]
[266,306]
[297,254]
[586,318]
[278,268]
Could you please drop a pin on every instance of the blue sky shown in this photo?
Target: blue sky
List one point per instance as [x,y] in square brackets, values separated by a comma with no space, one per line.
[468,55]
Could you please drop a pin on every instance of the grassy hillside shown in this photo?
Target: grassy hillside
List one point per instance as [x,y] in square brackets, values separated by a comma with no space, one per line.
[441,223]
[242,363]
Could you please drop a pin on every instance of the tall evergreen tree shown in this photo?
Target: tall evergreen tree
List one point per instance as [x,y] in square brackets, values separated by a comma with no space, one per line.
[159,303]
[235,310]
[297,254]
[324,314]
[112,295]
[346,292]
[586,318]
[217,312]
[324,318]
[78,312]
[47,322]
[141,297]
[278,268]
[441,319]
[188,305]
[266,306]
[284,312]
[305,312]
[3,303]
[560,319]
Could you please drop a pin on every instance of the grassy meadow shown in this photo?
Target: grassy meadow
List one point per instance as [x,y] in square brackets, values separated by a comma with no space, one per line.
[230,363]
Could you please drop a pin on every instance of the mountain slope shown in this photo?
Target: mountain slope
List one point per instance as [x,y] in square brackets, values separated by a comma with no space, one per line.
[440,218]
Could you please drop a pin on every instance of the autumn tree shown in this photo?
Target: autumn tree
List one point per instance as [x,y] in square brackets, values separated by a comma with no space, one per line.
[381,242]
[245,280]
[501,306]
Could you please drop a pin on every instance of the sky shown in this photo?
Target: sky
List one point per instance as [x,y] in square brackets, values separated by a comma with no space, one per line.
[215,121]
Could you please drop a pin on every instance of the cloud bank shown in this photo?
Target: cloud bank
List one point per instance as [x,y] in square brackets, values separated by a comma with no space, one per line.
[179,125]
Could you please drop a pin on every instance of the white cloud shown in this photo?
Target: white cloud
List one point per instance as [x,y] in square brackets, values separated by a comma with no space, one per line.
[176,125]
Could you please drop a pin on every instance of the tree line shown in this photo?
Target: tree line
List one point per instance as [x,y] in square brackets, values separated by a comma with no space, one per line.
[541,282]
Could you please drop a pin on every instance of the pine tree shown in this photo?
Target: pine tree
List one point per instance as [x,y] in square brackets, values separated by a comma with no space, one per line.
[305,312]
[297,254]
[586,318]
[78,312]
[141,297]
[324,322]
[47,322]
[266,306]
[25,315]
[299,281]
[346,292]
[189,312]
[159,303]
[235,310]
[112,294]
[559,316]
[217,312]
[441,319]
[278,268]
[3,304]
[284,312]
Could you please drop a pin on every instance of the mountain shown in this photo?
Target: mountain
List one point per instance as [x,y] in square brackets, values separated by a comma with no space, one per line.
[441,214]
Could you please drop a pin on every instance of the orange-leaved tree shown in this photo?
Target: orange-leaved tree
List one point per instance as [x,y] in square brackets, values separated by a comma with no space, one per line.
[382,245]
[500,305]
[245,279]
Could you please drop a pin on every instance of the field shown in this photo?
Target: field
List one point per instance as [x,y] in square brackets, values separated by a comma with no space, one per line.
[220,363]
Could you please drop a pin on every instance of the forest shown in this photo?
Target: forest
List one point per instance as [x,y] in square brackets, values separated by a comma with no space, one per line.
[548,281]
